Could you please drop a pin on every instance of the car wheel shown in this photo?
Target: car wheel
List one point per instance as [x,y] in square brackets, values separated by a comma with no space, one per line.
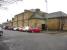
[1,34]
[32,31]
[29,31]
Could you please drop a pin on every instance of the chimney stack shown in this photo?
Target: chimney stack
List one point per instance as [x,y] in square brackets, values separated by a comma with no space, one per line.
[37,10]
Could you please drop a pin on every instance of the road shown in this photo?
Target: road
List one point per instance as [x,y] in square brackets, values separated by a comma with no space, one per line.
[14,40]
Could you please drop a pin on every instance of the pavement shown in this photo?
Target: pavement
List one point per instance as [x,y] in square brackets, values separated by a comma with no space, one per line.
[14,40]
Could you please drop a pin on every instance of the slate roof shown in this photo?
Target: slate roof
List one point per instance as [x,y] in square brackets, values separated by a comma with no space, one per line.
[38,16]
[50,15]
[56,14]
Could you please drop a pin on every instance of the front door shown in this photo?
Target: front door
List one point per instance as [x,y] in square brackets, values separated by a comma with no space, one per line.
[43,26]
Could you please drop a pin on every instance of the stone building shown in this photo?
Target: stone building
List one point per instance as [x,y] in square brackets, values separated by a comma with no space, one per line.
[37,18]
[57,21]
[20,21]
[14,20]
[31,18]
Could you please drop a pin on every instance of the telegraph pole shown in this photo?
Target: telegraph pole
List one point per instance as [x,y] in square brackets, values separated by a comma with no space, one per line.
[47,12]
[46,6]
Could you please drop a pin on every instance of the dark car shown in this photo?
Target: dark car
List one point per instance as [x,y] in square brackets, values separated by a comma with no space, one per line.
[1,31]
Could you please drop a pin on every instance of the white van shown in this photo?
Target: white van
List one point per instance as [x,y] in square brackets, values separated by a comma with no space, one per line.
[26,28]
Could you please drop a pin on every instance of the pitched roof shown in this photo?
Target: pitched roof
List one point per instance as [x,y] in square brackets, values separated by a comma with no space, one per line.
[38,16]
[56,14]
[50,15]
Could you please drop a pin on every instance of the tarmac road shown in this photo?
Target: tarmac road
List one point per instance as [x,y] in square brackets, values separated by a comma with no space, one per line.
[14,40]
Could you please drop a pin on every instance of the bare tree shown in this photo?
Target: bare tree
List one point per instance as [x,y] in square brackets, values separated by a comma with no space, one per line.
[7,2]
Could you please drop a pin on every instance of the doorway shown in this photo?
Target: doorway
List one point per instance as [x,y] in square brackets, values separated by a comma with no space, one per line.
[43,26]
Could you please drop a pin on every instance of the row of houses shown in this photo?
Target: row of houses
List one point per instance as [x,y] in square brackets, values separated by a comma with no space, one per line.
[37,18]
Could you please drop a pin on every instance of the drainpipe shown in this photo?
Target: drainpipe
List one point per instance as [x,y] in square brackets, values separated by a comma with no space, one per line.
[23,19]
[59,24]
[28,22]
[17,21]
[62,23]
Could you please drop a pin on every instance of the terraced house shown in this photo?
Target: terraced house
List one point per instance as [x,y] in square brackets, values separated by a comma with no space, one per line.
[14,20]
[57,21]
[20,22]
[10,23]
[32,18]
[27,15]
[37,18]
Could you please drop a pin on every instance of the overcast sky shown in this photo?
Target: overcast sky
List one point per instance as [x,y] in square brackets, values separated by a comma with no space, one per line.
[18,7]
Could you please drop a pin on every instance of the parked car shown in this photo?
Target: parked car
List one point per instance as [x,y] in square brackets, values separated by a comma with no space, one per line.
[10,28]
[15,29]
[36,30]
[20,29]
[26,29]
[6,27]
[1,31]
